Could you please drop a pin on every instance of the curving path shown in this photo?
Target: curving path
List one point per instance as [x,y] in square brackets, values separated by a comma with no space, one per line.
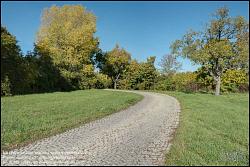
[139,135]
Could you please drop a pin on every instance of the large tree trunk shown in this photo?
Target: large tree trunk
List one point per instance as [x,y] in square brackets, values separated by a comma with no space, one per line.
[217,89]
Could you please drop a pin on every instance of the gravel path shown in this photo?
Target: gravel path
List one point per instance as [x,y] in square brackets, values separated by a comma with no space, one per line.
[139,135]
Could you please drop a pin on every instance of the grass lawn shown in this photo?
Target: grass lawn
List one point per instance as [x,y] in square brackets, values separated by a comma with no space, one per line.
[213,130]
[30,117]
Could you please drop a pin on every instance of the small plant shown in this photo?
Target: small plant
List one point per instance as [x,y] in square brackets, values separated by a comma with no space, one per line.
[5,87]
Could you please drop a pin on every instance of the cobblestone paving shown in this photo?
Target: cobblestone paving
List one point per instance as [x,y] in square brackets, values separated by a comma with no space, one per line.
[139,135]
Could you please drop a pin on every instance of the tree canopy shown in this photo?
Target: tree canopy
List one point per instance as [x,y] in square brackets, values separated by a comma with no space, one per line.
[66,34]
[66,56]
[12,67]
[115,63]
[222,45]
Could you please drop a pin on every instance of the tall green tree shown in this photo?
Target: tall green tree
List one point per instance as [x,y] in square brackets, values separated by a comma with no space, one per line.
[10,53]
[12,66]
[67,35]
[222,45]
[115,63]
[148,73]
[140,75]
[48,76]
[131,76]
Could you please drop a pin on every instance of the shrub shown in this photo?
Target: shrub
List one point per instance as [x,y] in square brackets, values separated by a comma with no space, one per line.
[244,87]
[141,86]
[102,81]
[204,80]
[87,82]
[87,78]
[124,84]
[191,87]
[234,80]
[5,87]
[182,80]
[165,84]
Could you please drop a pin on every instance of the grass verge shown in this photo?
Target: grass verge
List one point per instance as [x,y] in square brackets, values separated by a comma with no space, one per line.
[27,118]
[213,130]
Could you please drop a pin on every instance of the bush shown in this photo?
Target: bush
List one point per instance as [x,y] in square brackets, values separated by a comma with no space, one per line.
[124,84]
[191,87]
[102,81]
[234,80]
[185,81]
[182,80]
[165,84]
[5,87]
[141,86]
[87,83]
[86,78]
[244,87]
[205,80]
[231,81]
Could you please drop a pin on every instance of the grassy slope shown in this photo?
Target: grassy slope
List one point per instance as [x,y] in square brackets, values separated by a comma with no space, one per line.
[30,117]
[213,130]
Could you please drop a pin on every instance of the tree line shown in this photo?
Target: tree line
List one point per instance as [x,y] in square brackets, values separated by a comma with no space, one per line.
[66,56]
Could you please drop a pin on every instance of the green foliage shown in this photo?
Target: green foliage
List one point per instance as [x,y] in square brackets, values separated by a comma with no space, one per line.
[185,82]
[202,81]
[205,80]
[114,63]
[38,72]
[233,79]
[49,77]
[102,81]
[165,83]
[148,74]
[5,87]
[131,77]
[139,76]
[10,53]
[222,45]
[87,77]
[66,55]
[12,63]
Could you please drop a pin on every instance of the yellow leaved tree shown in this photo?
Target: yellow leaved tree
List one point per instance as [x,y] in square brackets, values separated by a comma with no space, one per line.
[66,34]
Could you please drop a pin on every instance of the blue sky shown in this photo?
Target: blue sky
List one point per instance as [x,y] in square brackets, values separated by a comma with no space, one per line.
[142,28]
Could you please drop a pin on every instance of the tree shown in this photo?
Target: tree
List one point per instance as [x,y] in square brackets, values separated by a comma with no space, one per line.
[169,64]
[48,77]
[131,76]
[222,45]
[205,79]
[12,66]
[139,75]
[148,74]
[67,36]
[115,63]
